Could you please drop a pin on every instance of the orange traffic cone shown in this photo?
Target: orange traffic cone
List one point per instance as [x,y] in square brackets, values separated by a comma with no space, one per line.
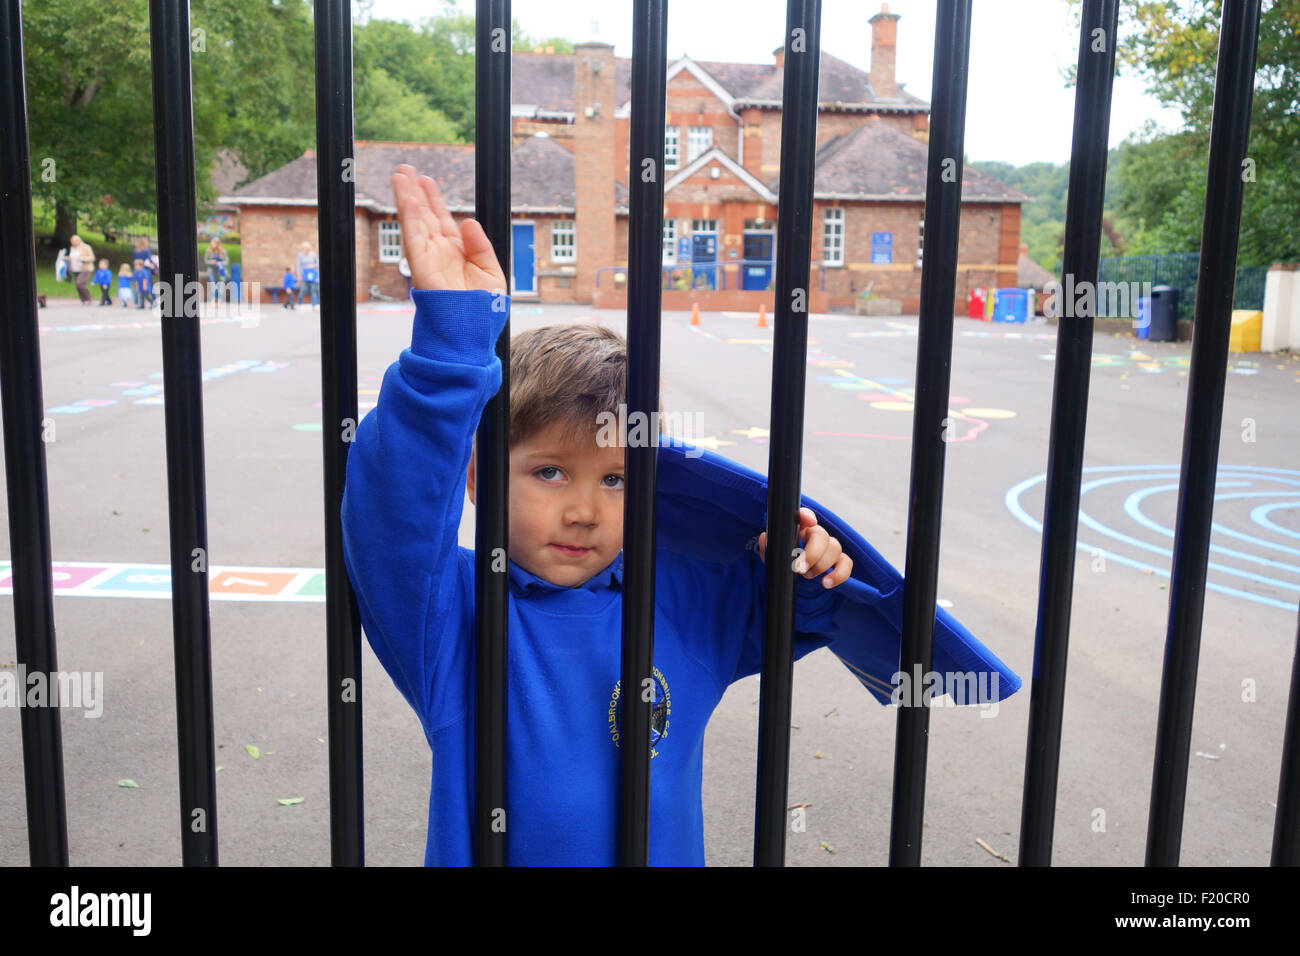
[695,313]
[762,316]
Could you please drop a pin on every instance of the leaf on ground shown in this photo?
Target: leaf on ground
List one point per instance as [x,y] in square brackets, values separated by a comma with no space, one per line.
[253,751]
[827,847]
[220,768]
[130,784]
[289,801]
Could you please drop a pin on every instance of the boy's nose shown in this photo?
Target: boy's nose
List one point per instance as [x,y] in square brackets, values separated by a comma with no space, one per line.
[580,509]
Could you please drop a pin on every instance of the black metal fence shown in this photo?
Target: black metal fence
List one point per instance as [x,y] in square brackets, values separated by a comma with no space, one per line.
[20,378]
[1127,278]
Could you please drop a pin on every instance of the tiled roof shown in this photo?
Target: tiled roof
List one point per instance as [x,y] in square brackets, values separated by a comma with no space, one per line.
[541,177]
[880,162]
[838,84]
[545,81]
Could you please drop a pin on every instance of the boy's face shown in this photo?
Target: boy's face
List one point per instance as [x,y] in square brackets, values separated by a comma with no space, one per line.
[563,494]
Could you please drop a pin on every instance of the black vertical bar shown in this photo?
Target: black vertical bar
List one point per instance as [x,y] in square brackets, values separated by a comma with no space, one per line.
[336,235]
[644,258]
[785,455]
[25,477]
[933,361]
[1079,265]
[1286,826]
[169,34]
[492,209]
[1211,325]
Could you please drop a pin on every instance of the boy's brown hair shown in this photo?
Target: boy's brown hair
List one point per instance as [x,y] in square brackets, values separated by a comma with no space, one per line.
[568,375]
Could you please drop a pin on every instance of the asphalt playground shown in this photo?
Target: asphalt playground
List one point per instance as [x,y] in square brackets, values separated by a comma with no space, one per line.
[102,385]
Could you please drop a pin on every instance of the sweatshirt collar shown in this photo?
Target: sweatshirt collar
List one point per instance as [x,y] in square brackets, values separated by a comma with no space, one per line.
[610,577]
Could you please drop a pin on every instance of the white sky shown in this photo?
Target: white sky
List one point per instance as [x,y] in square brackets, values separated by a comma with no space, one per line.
[1017,110]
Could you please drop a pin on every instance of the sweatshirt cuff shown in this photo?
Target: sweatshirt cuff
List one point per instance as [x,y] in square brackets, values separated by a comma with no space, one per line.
[458,325]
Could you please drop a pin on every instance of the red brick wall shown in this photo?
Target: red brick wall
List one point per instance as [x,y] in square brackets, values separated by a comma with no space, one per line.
[982,244]
[596,164]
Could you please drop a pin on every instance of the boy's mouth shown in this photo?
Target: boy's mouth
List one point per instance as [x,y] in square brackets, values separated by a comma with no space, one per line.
[570,551]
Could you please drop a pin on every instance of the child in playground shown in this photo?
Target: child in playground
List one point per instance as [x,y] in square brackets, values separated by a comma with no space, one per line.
[143,278]
[408,472]
[125,277]
[290,283]
[104,279]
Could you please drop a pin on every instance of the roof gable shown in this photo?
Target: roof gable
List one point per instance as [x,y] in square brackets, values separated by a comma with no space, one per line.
[715,154]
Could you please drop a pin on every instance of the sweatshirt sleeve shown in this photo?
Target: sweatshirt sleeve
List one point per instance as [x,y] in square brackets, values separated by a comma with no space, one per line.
[405,485]
[728,605]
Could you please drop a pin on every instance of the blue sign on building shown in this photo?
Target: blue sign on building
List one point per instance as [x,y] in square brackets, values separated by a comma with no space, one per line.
[683,248]
[882,248]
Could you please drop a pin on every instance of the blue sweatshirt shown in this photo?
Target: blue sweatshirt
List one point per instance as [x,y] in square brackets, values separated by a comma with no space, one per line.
[103,277]
[401,512]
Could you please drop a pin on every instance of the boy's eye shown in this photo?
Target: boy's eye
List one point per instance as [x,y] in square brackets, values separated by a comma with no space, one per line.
[545,468]
[618,478]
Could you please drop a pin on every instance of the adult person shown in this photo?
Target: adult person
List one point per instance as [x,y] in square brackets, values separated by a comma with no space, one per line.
[404,268]
[216,260]
[81,264]
[309,274]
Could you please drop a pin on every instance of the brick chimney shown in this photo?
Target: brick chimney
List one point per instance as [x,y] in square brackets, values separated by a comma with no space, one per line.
[884,40]
[778,55]
[594,166]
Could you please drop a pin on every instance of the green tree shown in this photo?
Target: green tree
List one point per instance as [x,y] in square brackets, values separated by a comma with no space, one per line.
[90,100]
[1173,46]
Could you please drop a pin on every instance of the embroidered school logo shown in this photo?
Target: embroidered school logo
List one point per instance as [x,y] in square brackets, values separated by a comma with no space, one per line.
[661,708]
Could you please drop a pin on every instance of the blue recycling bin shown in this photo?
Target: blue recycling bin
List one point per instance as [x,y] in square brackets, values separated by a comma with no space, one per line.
[1143,325]
[1010,305]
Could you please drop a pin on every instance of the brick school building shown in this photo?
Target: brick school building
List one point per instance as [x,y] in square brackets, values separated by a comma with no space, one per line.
[569,172]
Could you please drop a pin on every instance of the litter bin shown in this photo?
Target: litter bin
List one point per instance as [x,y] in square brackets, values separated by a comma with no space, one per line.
[975,304]
[1009,305]
[1143,324]
[1164,314]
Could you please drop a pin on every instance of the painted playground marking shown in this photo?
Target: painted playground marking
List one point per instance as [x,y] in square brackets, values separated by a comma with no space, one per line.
[134,580]
[1276,576]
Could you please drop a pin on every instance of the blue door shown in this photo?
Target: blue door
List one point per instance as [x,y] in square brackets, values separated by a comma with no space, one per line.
[704,256]
[522,255]
[757,264]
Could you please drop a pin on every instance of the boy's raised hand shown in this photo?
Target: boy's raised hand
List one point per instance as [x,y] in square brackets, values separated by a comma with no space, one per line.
[441,254]
[821,552]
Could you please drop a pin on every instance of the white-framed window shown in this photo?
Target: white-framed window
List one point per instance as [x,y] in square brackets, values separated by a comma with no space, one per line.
[670,242]
[698,140]
[390,241]
[704,225]
[672,147]
[833,238]
[563,241]
[920,242]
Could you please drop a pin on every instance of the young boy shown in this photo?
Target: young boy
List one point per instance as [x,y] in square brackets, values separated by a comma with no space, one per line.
[406,479]
[104,279]
[290,285]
